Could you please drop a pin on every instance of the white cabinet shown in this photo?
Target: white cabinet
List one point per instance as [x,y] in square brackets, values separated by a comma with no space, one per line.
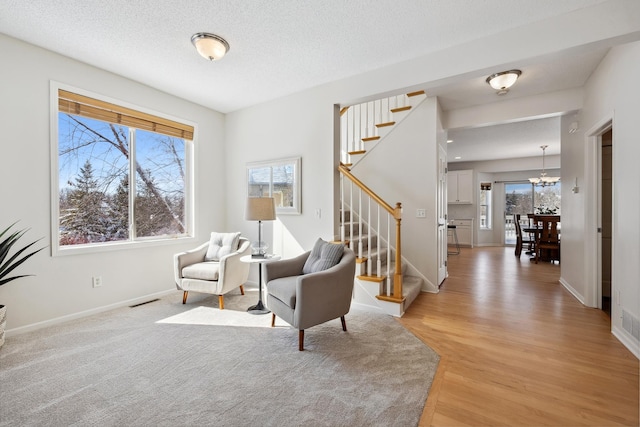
[464,230]
[460,187]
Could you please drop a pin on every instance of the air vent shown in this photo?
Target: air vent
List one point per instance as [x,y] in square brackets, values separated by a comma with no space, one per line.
[143,303]
[631,324]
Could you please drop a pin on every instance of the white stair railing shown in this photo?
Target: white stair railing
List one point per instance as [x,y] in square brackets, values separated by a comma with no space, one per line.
[360,123]
[361,215]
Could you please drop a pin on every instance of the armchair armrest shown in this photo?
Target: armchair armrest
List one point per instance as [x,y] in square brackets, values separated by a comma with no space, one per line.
[234,272]
[183,259]
[285,268]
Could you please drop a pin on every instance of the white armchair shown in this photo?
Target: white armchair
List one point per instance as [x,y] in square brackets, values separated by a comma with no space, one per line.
[213,267]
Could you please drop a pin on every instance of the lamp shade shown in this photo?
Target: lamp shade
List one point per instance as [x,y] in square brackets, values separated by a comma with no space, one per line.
[260,209]
[210,46]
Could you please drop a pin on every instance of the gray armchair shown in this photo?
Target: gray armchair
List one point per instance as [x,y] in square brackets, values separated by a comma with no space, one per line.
[306,300]
[213,267]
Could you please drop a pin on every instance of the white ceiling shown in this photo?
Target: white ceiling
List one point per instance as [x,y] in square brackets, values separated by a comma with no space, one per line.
[281,47]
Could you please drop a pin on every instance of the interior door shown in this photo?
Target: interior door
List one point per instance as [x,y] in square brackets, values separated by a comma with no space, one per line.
[442,215]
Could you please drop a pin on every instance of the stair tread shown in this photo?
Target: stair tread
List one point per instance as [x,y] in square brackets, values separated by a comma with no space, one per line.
[416,93]
[353,153]
[397,110]
[370,138]
[381,125]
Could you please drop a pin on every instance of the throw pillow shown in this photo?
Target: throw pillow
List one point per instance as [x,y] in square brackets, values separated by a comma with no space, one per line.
[324,255]
[221,244]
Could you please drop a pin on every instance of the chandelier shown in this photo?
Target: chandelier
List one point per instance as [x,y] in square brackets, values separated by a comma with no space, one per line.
[544,180]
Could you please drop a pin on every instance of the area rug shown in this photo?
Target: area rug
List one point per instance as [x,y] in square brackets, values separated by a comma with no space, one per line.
[169,364]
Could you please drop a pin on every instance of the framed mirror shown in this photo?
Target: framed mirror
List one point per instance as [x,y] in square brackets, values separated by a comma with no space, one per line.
[279,179]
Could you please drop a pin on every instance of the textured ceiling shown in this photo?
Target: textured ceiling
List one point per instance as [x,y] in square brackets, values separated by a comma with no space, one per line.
[280,47]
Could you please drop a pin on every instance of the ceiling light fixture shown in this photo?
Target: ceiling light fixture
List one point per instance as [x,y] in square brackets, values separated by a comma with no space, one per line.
[502,81]
[210,46]
[544,180]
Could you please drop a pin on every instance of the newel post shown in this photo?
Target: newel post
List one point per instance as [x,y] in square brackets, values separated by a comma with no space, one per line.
[397,277]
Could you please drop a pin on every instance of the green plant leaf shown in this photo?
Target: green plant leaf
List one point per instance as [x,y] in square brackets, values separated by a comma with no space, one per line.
[10,264]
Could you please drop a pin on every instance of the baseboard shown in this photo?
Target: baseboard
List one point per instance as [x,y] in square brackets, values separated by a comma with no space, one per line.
[573,292]
[627,340]
[79,315]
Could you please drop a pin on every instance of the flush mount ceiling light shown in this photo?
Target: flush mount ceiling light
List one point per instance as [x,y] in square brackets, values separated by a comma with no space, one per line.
[502,81]
[544,180]
[210,46]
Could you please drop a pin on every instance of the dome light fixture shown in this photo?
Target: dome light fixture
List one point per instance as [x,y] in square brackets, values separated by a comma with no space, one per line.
[503,80]
[210,46]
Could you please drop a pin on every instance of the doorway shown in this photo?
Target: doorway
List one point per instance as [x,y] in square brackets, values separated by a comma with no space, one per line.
[599,211]
[606,193]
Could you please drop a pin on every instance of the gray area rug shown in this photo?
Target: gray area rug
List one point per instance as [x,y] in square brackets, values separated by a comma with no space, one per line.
[168,364]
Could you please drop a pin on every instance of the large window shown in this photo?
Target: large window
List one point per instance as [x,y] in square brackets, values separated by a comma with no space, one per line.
[524,198]
[122,175]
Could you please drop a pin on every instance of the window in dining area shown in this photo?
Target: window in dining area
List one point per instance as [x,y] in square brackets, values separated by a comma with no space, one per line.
[485,206]
[524,198]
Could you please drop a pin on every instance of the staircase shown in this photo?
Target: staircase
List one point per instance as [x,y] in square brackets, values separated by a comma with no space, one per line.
[385,281]
[365,125]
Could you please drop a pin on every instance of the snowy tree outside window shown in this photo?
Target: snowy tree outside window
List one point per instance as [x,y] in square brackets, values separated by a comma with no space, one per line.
[99,202]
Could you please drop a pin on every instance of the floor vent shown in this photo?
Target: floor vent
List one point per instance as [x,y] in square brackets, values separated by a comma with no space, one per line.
[143,303]
[631,324]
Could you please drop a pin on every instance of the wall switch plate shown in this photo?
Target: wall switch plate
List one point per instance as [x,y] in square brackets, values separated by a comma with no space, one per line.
[97,281]
[421,213]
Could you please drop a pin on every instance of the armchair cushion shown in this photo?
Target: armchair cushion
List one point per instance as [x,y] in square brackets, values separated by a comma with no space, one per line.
[202,271]
[221,244]
[324,255]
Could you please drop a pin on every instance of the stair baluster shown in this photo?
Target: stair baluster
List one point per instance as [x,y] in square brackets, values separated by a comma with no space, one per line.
[389,257]
[369,262]
[378,258]
[360,224]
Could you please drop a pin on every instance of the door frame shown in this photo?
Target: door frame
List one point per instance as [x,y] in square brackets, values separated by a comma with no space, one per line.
[442,215]
[593,220]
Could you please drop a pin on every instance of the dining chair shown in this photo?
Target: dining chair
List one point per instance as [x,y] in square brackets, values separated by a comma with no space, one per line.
[547,238]
[521,239]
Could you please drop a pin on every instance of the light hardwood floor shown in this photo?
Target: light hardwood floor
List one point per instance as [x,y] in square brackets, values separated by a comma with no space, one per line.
[517,349]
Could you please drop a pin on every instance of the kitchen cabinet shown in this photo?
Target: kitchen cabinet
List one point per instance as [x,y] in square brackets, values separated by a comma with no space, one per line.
[460,187]
[464,229]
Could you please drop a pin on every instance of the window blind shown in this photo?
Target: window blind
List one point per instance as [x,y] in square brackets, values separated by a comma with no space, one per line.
[80,105]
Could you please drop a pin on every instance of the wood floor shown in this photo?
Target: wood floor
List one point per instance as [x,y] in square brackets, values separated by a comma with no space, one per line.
[517,349]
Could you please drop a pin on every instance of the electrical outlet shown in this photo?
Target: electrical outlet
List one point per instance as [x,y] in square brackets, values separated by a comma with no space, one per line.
[97,281]
[421,213]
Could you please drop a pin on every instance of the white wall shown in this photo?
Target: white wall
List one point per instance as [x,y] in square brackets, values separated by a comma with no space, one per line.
[612,91]
[298,125]
[61,286]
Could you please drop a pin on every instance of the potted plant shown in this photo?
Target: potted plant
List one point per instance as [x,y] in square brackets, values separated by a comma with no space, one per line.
[9,263]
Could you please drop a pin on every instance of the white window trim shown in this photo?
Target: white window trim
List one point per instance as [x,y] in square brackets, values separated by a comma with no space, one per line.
[56,249]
